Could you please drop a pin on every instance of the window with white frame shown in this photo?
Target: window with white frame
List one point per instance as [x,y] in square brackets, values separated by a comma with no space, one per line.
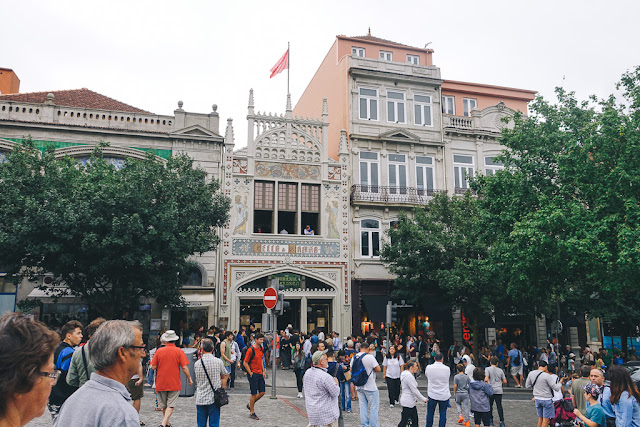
[368,103]
[397,174]
[468,105]
[424,175]
[369,171]
[370,238]
[386,55]
[462,171]
[491,166]
[395,107]
[413,59]
[357,51]
[422,114]
[448,105]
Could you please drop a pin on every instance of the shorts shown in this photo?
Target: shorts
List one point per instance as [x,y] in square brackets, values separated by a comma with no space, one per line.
[484,417]
[136,391]
[256,384]
[516,370]
[228,369]
[545,408]
[167,399]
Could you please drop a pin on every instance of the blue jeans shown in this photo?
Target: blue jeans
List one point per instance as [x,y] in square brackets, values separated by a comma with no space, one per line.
[431,409]
[345,395]
[210,412]
[369,400]
[150,377]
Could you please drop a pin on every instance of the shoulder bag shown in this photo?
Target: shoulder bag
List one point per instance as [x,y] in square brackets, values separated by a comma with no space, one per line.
[220,396]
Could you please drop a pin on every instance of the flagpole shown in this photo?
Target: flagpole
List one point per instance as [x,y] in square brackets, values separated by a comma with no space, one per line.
[288,65]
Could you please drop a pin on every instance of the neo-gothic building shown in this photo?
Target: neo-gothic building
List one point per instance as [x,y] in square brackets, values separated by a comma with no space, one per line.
[289,224]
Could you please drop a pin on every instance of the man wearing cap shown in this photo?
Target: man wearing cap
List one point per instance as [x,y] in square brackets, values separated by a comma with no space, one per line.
[321,391]
[167,362]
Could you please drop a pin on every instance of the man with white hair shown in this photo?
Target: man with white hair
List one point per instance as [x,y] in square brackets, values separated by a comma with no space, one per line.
[167,363]
[321,391]
[116,349]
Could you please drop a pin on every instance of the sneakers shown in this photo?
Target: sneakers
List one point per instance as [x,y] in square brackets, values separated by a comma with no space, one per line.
[254,416]
[349,411]
[248,407]
[299,395]
[391,405]
[501,423]
[461,419]
[467,424]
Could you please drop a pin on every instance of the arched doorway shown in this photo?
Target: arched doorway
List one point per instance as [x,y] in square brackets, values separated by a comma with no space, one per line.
[312,302]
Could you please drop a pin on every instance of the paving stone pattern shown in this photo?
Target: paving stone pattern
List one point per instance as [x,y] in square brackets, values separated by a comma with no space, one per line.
[287,410]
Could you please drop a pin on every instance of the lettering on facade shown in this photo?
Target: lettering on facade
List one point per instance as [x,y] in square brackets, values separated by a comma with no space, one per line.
[467,336]
[272,247]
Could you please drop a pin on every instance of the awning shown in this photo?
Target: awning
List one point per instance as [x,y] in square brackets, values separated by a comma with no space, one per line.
[39,293]
[376,306]
[198,299]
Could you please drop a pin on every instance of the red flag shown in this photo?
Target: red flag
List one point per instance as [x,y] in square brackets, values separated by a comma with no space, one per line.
[282,64]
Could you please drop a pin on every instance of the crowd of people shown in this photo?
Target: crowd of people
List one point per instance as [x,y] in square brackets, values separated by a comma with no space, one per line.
[94,375]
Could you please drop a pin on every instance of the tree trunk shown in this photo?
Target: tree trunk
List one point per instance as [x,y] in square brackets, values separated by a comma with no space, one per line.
[476,340]
[623,327]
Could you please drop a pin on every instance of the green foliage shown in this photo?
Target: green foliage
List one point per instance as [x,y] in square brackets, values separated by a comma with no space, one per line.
[109,235]
[440,252]
[566,211]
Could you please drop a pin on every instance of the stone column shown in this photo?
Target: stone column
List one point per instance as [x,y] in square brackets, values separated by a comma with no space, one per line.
[303,314]
[573,338]
[457,325]
[541,331]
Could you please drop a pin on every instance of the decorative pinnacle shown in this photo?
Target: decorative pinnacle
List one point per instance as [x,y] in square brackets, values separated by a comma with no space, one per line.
[180,104]
[289,102]
[251,97]
[325,109]
[228,135]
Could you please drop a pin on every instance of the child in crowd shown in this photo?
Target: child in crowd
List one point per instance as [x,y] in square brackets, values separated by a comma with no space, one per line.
[479,393]
[461,391]
[595,414]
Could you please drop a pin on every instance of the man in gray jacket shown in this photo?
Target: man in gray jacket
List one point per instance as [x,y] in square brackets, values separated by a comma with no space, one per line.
[543,388]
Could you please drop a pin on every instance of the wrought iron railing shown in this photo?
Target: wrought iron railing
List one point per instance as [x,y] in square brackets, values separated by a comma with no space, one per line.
[381,194]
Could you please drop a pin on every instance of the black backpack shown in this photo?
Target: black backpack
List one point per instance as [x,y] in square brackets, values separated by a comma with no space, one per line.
[516,360]
[359,376]
[243,355]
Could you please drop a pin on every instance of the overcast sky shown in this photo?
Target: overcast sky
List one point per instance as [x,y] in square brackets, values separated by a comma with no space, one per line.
[150,54]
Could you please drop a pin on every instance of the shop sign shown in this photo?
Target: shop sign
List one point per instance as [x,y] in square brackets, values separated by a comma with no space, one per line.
[288,280]
[279,247]
[466,331]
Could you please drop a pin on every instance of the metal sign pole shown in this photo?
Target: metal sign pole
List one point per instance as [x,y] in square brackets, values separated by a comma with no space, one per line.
[274,320]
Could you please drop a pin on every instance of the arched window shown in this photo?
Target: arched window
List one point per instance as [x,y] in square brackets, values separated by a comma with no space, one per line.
[370,238]
[194,277]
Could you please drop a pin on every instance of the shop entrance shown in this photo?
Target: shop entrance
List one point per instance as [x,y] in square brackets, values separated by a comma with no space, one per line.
[319,315]
[291,316]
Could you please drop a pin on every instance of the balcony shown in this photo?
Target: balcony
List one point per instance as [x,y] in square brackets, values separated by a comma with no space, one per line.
[391,195]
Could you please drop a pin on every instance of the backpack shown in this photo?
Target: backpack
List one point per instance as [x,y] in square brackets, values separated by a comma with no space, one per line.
[516,360]
[243,355]
[359,376]
[307,363]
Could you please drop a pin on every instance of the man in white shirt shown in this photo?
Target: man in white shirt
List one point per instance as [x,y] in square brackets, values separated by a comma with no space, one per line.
[368,395]
[438,392]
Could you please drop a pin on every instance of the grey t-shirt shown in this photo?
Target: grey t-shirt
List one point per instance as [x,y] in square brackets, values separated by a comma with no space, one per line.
[496,376]
[462,382]
[100,401]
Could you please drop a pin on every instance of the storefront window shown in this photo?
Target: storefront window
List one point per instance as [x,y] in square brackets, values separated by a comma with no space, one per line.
[319,315]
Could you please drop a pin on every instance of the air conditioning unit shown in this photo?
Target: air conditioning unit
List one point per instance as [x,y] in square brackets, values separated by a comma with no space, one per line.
[47,279]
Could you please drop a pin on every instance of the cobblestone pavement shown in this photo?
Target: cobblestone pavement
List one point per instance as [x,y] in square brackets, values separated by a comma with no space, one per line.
[287,410]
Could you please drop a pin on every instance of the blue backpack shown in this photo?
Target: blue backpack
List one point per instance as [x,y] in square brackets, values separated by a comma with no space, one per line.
[359,376]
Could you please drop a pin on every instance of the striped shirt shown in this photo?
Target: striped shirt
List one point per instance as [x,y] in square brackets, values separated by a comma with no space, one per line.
[214,366]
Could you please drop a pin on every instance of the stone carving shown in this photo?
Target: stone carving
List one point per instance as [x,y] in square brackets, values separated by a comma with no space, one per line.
[287,170]
[334,172]
[242,214]
[332,219]
[240,166]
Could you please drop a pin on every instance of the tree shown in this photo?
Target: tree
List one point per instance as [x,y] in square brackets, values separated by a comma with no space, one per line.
[440,252]
[566,211]
[110,235]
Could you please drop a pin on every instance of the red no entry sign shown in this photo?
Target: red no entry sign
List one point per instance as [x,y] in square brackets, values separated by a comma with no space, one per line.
[270,298]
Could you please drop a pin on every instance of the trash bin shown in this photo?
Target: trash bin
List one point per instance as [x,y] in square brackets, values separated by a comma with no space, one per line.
[187,390]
